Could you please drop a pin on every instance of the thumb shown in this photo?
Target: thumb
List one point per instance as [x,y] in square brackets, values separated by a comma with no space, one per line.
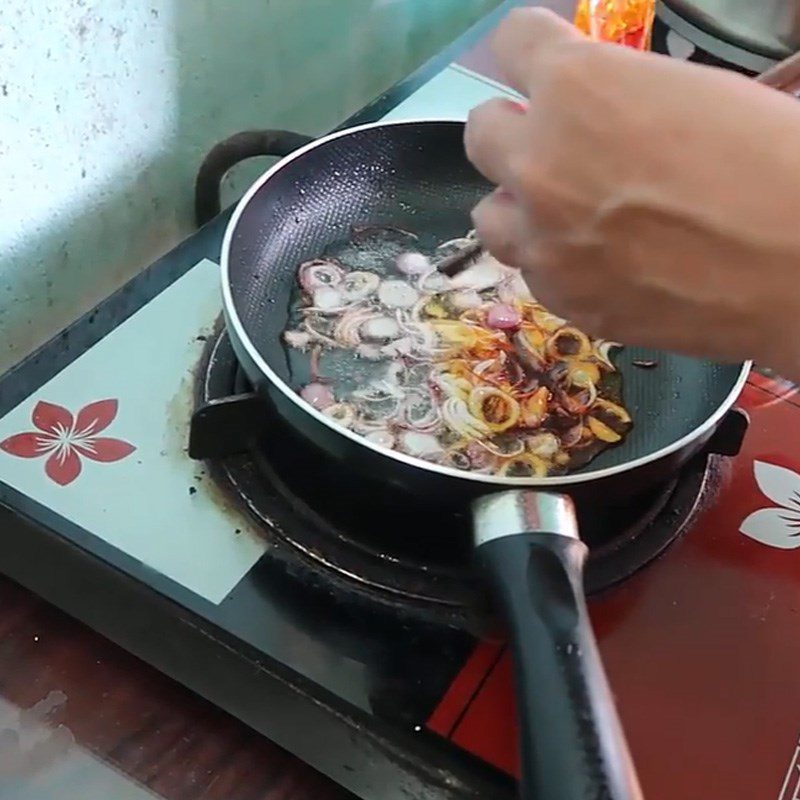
[528,37]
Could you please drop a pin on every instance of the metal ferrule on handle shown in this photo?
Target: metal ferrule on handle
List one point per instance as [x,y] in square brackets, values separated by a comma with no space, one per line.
[512,513]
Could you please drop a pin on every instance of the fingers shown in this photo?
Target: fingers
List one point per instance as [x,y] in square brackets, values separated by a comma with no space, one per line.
[526,37]
[502,226]
[495,132]
[498,133]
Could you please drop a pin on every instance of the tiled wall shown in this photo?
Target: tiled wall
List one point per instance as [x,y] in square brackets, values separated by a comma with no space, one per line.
[107,107]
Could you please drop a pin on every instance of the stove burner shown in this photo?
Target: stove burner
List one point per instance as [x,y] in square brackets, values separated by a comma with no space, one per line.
[361,539]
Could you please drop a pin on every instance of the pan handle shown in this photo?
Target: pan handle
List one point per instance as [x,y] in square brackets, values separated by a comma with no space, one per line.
[227,154]
[571,739]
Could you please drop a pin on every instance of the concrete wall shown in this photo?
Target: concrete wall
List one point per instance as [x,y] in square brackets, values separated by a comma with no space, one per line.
[108,106]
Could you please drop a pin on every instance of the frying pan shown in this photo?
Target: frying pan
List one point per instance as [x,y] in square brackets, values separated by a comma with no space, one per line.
[415,175]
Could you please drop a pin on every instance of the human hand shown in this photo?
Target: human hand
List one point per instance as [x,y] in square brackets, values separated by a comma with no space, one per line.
[652,201]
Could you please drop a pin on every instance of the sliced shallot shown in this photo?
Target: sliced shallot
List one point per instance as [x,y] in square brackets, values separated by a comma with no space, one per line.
[319,328]
[342,413]
[327,298]
[478,374]
[299,340]
[480,458]
[465,299]
[382,437]
[545,444]
[318,395]
[419,410]
[358,286]
[526,465]
[503,317]
[483,274]
[420,445]
[533,409]
[433,282]
[496,409]
[603,349]
[317,273]
[412,264]
[348,329]
[380,329]
[399,347]
[370,352]
[460,243]
[397,294]
[504,449]
[455,413]
[513,288]
[547,321]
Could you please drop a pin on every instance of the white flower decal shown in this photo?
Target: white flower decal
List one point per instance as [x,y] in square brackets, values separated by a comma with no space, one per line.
[779,526]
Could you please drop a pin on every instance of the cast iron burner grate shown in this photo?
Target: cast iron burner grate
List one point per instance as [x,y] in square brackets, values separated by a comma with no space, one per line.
[356,538]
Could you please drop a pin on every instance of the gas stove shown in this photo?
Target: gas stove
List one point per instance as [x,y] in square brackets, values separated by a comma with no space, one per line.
[144,490]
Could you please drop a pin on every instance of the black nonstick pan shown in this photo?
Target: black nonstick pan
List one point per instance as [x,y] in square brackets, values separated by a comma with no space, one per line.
[415,176]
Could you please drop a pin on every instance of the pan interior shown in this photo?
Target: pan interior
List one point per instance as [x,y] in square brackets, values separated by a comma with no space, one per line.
[415,176]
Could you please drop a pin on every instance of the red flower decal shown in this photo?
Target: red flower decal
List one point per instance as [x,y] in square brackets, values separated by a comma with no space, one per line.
[64,439]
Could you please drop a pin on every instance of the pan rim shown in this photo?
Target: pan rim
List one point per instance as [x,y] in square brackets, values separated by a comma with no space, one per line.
[237,330]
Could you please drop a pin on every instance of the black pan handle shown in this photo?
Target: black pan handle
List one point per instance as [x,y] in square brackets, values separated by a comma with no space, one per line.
[571,739]
[729,436]
[227,154]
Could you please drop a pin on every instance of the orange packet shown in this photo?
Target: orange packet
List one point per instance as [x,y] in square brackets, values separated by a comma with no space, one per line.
[626,22]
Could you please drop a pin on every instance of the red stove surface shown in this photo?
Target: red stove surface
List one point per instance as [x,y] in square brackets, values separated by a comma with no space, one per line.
[702,647]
